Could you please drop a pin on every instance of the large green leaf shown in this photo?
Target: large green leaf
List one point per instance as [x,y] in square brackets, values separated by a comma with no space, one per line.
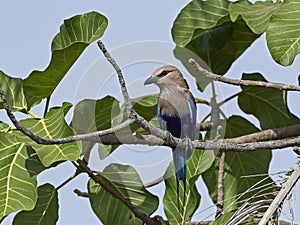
[45,211]
[220,46]
[13,90]
[257,15]
[279,20]
[268,105]
[237,165]
[126,181]
[17,185]
[91,115]
[179,209]
[197,14]
[205,28]
[283,33]
[75,35]
[52,126]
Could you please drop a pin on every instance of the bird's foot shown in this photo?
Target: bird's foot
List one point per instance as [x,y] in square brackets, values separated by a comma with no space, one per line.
[188,143]
[169,138]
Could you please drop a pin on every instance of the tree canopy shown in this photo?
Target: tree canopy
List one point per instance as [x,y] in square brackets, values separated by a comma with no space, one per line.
[232,154]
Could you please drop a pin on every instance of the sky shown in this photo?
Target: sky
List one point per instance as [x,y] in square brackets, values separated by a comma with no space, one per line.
[139,37]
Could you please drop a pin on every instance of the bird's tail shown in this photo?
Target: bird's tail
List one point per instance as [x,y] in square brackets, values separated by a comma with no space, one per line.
[179,159]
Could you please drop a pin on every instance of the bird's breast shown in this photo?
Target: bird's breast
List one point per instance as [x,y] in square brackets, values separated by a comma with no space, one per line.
[173,105]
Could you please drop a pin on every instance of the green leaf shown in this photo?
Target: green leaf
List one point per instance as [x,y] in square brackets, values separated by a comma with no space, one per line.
[283,33]
[197,14]
[238,166]
[106,150]
[199,162]
[17,186]
[257,15]
[91,115]
[46,210]
[220,46]
[279,20]
[146,107]
[126,181]
[13,90]
[75,35]
[268,105]
[51,127]
[205,28]
[33,164]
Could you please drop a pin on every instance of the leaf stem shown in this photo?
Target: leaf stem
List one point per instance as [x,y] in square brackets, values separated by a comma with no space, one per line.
[47,105]
[67,181]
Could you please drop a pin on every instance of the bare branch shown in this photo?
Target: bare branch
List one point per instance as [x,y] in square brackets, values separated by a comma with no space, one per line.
[222,144]
[81,194]
[113,62]
[242,82]
[270,134]
[220,198]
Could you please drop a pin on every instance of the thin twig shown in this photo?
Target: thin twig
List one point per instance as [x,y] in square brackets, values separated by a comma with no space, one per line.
[220,198]
[242,82]
[113,62]
[280,197]
[81,194]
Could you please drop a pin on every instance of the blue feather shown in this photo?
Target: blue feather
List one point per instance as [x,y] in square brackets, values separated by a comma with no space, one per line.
[180,127]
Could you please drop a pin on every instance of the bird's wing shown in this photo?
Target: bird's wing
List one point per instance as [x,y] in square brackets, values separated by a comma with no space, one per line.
[193,115]
[162,122]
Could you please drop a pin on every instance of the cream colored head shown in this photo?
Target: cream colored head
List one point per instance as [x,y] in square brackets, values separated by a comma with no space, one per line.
[166,75]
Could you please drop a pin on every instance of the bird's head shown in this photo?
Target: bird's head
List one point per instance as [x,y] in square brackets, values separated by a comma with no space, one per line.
[166,76]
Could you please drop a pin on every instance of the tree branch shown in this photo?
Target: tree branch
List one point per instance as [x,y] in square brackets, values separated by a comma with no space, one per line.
[220,197]
[245,143]
[242,82]
[113,62]
[146,219]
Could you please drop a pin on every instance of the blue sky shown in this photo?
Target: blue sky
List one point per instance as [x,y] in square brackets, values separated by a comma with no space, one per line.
[27,29]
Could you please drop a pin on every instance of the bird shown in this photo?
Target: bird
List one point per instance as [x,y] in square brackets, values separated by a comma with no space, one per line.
[176,112]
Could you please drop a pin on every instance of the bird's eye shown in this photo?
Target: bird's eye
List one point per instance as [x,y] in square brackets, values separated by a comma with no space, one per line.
[164,73]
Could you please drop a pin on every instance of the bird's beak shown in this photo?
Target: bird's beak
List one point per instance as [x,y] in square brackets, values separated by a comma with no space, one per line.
[151,80]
